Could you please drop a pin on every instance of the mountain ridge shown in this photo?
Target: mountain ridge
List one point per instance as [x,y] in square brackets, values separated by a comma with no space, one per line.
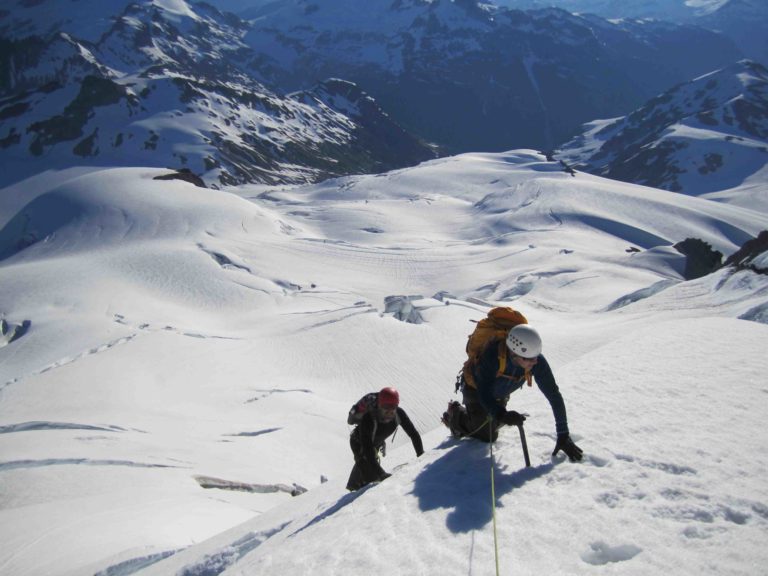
[701,136]
[186,86]
[522,79]
[179,89]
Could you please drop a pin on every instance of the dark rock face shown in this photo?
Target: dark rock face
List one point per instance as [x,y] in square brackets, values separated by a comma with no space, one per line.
[69,125]
[185,176]
[701,259]
[751,255]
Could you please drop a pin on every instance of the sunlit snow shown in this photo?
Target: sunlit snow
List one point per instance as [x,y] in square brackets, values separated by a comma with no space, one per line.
[190,355]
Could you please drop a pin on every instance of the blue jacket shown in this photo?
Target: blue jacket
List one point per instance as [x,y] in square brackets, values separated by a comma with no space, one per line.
[492,392]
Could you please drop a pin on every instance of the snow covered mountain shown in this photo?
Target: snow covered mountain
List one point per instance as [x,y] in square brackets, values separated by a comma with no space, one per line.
[743,21]
[670,10]
[175,362]
[703,136]
[520,79]
[170,84]
[183,86]
[239,6]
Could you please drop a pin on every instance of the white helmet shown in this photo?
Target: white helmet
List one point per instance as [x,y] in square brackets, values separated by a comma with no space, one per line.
[524,341]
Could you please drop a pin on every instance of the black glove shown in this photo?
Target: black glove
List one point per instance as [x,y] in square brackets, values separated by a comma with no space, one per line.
[511,418]
[565,444]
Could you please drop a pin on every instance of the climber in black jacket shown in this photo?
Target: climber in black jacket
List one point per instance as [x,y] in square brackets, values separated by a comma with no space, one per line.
[368,438]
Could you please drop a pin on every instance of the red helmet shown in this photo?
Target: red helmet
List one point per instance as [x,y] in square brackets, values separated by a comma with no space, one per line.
[389,397]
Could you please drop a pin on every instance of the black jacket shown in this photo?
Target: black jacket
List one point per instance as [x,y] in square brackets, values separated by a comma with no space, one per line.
[371,433]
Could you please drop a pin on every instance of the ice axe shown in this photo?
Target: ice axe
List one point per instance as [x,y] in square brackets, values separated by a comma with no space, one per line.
[525,445]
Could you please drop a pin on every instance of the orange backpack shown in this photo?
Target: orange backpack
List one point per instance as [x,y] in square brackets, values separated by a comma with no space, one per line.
[495,326]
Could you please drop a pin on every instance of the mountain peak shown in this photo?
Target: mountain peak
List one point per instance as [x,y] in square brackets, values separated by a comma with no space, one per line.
[682,138]
[172,84]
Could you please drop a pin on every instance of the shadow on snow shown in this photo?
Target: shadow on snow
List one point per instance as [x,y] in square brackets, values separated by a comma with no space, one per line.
[461,480]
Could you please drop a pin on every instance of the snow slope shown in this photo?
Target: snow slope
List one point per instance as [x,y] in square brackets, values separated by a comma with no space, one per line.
[661,488]
[190,355]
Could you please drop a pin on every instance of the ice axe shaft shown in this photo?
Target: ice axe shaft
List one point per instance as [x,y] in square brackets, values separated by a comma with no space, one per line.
[525,446]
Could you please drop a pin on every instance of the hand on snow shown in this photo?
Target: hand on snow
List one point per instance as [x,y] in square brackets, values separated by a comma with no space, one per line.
[565,444]
[511,418]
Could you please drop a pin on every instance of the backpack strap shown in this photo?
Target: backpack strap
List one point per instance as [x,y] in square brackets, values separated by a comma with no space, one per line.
[466,377]
[502,358]
[375,417]
[503,365]
[397,427]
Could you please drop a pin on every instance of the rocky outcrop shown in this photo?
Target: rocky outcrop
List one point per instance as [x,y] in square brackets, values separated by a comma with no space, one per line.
[10,331]
[184,175]
[753,255]
[701,259]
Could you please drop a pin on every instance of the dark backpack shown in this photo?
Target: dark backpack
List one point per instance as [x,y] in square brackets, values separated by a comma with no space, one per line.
[368,403]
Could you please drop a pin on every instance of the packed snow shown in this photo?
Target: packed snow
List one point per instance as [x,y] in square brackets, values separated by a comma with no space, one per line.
[176,365]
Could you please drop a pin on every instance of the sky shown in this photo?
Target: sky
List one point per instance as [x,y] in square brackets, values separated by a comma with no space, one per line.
[186,358]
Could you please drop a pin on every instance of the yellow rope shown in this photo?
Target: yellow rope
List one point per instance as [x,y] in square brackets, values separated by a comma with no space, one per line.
[493,500]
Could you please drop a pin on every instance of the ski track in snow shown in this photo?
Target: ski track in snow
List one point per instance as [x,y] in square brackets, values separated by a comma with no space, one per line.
[268,392]
[70,360]
[146,326]
[367,310]
[357,306]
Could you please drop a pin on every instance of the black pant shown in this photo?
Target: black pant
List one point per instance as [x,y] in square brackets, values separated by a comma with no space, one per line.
[364,471]
[475,422]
